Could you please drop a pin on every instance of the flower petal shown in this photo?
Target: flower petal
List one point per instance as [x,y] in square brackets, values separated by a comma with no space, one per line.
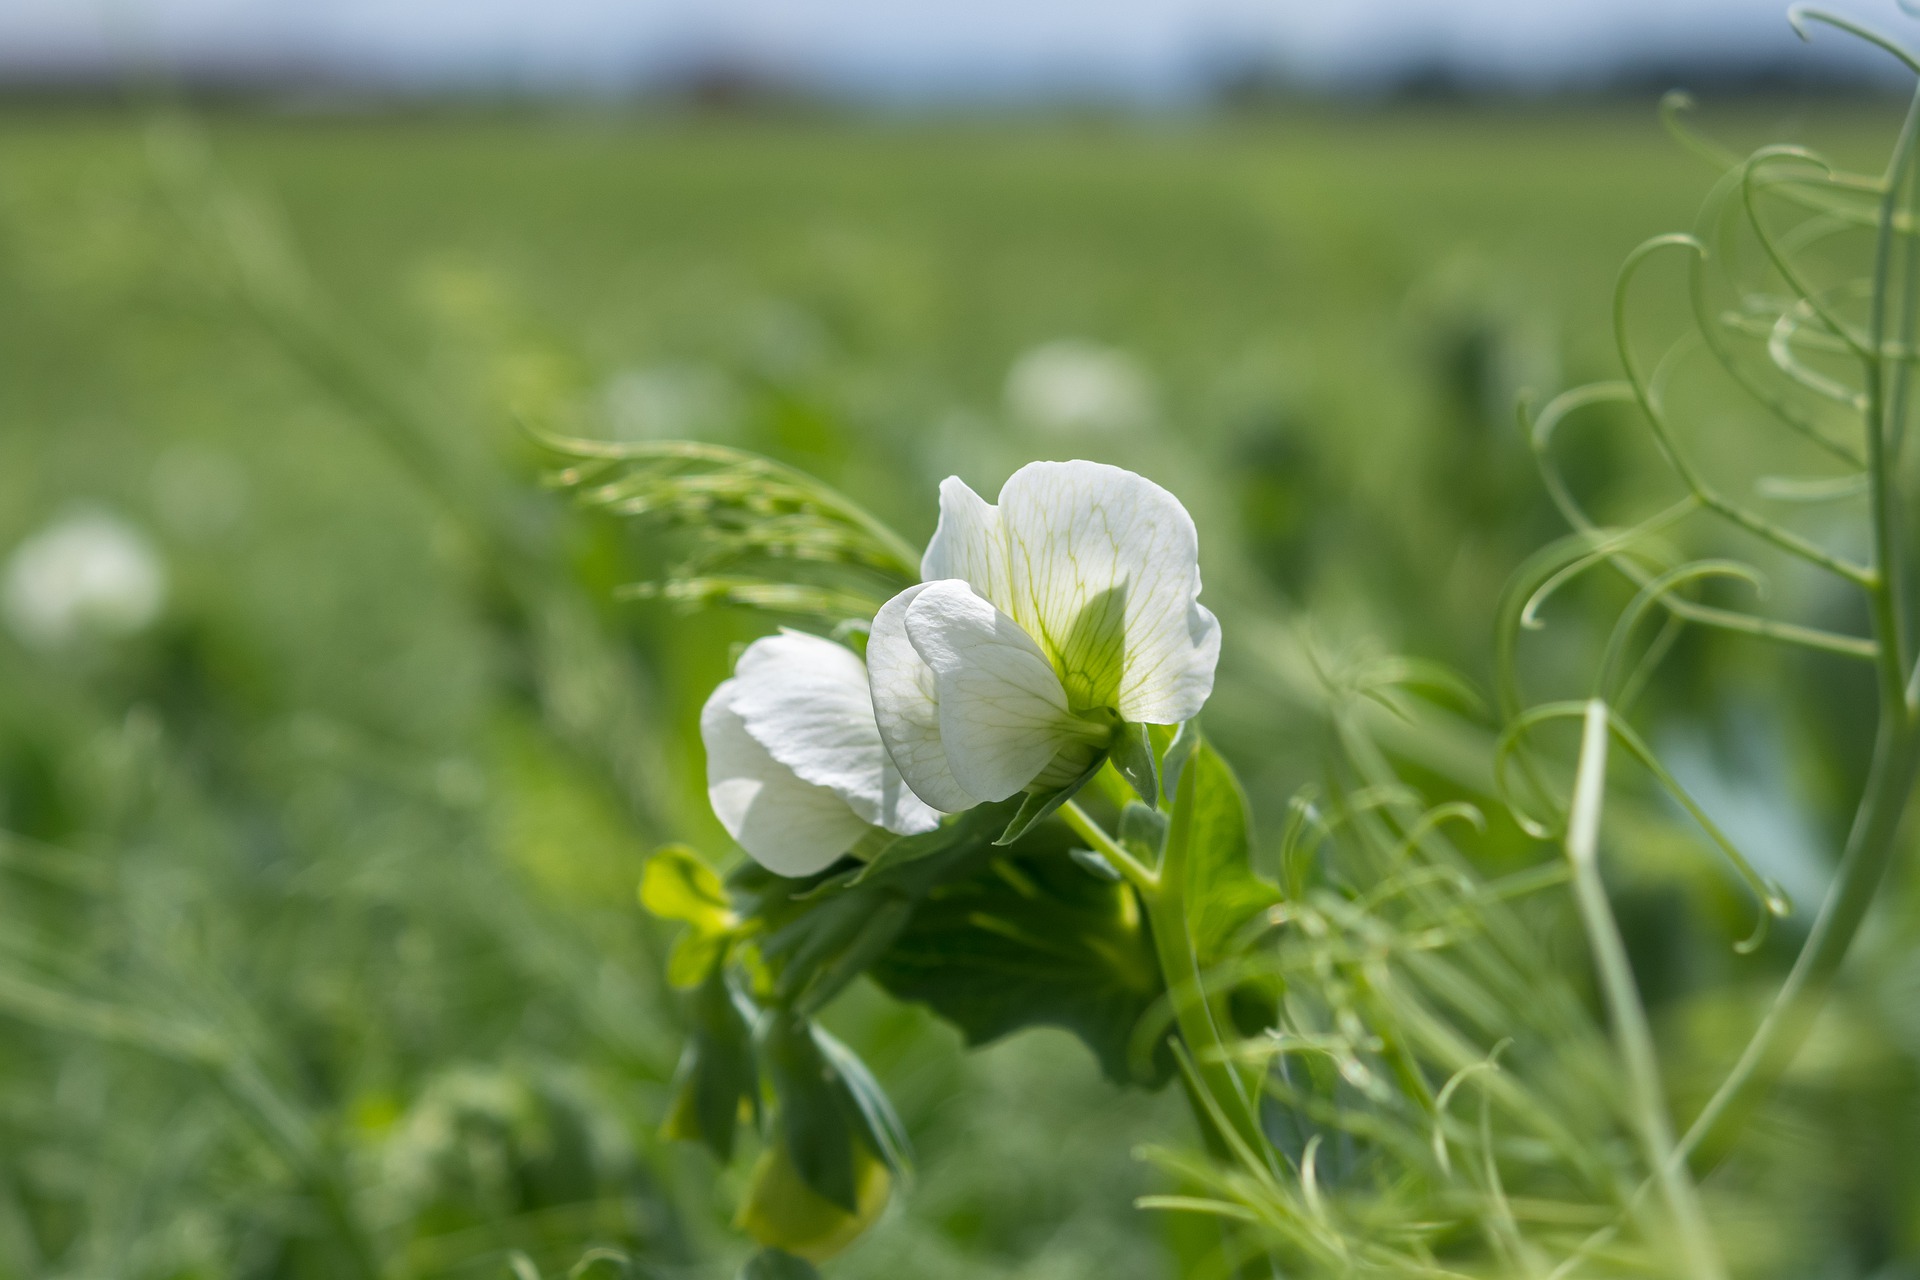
[790,827]
[906,707]
[1103,569]
[967,544]
[1003,714]
[805,699]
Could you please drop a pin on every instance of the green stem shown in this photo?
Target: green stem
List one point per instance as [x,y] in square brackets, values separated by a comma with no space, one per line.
[1628,1017]
[1137,874]
[1163,896]
[1885,407]
[1869,850]
[1896,752]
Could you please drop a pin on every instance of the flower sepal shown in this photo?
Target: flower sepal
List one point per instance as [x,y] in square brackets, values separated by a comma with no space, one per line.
[1040,803]
[1135,760]
[1129,748]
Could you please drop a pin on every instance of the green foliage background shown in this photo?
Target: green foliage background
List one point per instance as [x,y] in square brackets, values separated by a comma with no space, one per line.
[317,924]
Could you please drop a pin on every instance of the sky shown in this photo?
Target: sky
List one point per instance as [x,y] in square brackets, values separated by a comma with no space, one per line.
[910,48]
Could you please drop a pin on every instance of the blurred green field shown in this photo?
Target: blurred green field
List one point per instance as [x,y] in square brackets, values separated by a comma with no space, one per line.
[317,928]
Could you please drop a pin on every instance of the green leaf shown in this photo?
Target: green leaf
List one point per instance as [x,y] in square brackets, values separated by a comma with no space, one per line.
[717,1079]
[1039,805]
[1223,893]
[695,954]
[678,885]
[1143,831]
[813,1114]
[812,926]
[903,850]
[828,1102]
[777,1264]
[1096,863]
[878,927]
[1304,1087]
[830,941]
[881,1125]
[1027,938]
[1132,753]
[818,934]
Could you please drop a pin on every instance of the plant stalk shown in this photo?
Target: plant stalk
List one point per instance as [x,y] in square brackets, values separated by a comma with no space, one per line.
[1163,897]
[1869,851]
[1625,1012]
[1896,754]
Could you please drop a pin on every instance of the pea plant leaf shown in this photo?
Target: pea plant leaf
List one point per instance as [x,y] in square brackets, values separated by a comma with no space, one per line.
[1030,937]
[813,1111]
[820,933]
[827,1101]
[678,885]
[1223,893]
[993,938]
[900,851]
[880,1124]
[1143,830]
[718,1079]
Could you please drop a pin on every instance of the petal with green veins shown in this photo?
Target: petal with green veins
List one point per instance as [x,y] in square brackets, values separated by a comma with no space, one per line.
[789,826]
[806,700]
[1003,713]
[906,705]
[1103,569]
[967,544]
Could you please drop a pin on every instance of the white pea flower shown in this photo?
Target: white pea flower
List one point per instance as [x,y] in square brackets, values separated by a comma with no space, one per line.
[1045,622]
[796,770]
[1076,386]
[669,402]
[86,574]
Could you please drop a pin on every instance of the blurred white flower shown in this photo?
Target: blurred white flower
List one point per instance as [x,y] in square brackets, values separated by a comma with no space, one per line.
[796,771]
[1045,622]
[87,574]
[669,401]
[1071,385]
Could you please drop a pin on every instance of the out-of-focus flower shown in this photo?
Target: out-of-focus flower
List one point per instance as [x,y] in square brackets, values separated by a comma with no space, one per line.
[87,574]
[796,770]
[670,401]
[1072,385]
[1044,624]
